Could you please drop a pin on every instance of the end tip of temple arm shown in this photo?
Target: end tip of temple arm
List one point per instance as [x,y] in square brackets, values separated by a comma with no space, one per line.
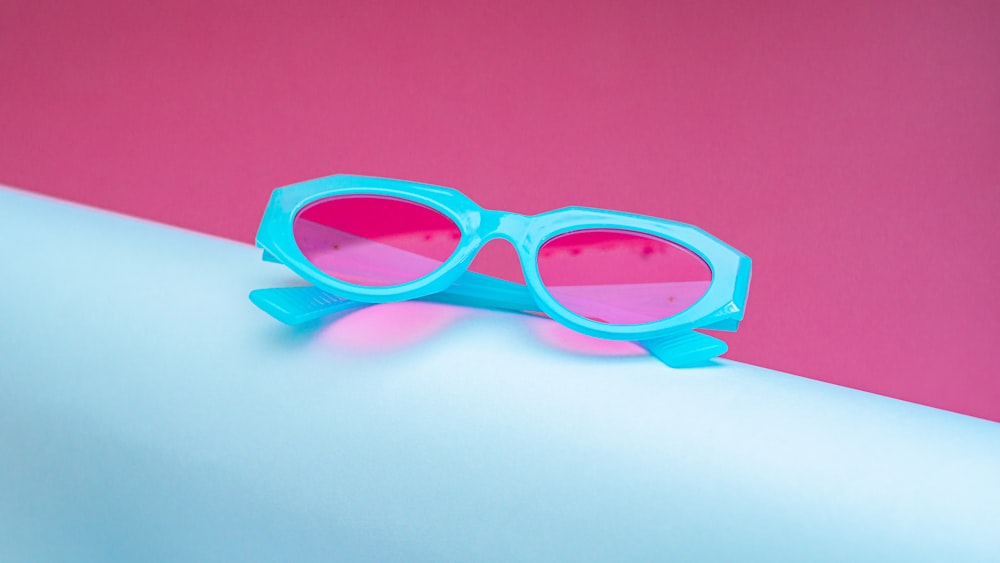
[685,350]
[297,305]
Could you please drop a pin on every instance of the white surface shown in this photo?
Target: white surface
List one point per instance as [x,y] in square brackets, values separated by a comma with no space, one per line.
[149,412]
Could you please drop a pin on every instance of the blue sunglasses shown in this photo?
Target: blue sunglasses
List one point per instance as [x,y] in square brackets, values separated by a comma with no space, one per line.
[361,240]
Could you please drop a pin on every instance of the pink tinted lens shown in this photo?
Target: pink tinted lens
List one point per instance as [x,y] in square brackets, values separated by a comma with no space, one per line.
[374,240]
[622,277]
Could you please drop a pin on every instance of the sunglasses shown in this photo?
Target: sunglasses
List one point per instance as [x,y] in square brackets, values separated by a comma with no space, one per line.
[360,240]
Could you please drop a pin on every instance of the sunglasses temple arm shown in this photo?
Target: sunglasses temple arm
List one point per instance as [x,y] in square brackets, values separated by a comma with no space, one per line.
[687,349]
[297,305]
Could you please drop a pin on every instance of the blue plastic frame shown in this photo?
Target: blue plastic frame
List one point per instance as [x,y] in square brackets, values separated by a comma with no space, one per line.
[721,308]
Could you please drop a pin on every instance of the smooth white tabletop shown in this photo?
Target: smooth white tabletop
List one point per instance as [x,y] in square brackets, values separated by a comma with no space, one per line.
[149,412]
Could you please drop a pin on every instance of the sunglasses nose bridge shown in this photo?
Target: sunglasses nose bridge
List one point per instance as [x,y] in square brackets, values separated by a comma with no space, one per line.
[504,224]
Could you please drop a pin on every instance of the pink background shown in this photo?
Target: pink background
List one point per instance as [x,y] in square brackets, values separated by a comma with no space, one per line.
[849,148]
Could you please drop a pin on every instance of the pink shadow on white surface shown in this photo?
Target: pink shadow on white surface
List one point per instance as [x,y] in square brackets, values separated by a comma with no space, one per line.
[388,327]
[558,336]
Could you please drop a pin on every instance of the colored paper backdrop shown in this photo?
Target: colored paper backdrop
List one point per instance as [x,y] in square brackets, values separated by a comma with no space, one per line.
[849,148]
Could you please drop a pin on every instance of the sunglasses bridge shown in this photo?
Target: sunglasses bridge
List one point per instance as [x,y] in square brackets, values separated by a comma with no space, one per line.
[505,225]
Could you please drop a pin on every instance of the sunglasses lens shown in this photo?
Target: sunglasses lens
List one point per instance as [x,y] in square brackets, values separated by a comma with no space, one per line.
[374,240]
[622,277]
